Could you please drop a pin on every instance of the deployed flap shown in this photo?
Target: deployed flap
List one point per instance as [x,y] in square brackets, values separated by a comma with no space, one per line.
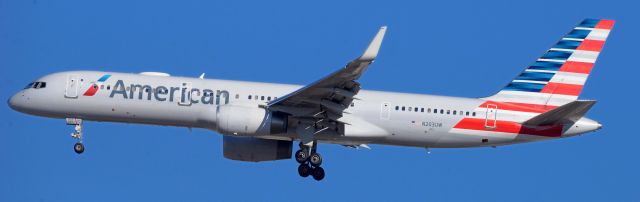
[570,112]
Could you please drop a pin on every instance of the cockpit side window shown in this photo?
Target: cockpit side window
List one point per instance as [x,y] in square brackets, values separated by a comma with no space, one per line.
[38,85]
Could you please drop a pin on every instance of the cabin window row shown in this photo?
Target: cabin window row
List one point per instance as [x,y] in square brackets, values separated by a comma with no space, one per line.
[260,97]
[435,111]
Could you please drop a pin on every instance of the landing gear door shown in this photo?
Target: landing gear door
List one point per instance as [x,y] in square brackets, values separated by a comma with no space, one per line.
[72,87]
[385,109]
[185,94]
[490,119]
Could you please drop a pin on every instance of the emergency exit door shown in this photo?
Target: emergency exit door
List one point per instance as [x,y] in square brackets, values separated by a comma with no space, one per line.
[72,86]
[490,119]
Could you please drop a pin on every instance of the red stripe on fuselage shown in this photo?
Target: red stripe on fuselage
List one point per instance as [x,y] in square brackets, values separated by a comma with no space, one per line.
[509,127]
[537,106]
[521,107]
[576,67]
[562,88]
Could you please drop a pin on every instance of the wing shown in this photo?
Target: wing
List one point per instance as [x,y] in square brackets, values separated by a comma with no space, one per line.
[323,102]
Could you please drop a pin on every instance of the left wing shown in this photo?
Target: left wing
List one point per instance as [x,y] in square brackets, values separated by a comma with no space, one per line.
[323,102]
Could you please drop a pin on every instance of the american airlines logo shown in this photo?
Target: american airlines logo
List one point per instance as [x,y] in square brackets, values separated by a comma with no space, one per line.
[182,94]
[93,89]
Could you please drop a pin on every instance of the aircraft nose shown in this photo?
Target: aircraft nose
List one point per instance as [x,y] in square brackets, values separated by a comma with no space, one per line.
[14,102]
[11,102]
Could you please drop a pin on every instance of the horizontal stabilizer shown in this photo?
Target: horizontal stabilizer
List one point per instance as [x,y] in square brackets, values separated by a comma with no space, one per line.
[569,112]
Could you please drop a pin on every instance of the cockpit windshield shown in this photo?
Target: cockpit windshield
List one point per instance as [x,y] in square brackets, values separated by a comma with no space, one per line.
[36,85]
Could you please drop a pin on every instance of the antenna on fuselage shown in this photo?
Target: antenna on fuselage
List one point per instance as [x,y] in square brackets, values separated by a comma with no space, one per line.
[201,76]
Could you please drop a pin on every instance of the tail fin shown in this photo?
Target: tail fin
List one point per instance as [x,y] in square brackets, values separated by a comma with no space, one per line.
[557,77]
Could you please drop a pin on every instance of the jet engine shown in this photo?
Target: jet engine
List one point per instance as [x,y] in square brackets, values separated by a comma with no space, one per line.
[250,121]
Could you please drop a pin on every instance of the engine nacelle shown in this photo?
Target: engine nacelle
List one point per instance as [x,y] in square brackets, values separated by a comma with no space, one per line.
[254,149]
[250,121]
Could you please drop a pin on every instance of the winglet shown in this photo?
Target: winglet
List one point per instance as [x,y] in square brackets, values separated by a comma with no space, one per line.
[372,51]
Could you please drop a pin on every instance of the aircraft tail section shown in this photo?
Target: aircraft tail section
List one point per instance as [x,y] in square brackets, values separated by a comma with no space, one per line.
[568,113]
[558,76]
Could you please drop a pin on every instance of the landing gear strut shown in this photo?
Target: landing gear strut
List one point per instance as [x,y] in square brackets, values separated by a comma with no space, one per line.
[77,134]
[310,162]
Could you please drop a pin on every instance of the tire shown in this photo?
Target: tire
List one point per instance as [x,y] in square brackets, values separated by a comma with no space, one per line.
[304,170]
[318,173]
[78,148]
[302,156]
[315,159]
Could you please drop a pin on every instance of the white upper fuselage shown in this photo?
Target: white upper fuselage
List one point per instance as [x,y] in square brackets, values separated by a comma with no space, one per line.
[375,117]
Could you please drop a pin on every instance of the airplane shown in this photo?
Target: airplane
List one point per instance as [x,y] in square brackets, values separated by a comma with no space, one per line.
[261,121]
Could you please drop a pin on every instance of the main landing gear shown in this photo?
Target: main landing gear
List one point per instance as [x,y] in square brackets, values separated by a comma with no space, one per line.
[310,162]
[77,134]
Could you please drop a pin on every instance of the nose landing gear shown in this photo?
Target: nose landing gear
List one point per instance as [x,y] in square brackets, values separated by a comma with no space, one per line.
[77,134]
[310,162]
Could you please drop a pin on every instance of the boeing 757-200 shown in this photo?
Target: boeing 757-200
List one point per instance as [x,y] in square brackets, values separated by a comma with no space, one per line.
[260,121]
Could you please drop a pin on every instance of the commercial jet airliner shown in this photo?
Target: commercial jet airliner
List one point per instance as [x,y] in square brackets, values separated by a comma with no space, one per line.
[260,121]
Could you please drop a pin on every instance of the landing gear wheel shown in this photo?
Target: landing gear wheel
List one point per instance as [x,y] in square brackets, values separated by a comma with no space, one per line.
[304,170]
[318,173]
[302,155]
[78,148]
[315,159]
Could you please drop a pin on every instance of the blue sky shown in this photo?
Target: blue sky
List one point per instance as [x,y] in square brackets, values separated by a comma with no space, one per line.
[456,48]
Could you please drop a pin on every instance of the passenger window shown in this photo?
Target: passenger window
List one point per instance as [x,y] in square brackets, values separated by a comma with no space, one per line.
[441,111]
[467,114]
[269,98]
[454,112]
[101,86]
[409,108]
[237,96]
[249,97]
[402,108]
[421,109]
[397,108]
[108,87]
[474,114]
[435,111]
[448,111]
[262,97]
[256,97]
[429,110]
[415,109]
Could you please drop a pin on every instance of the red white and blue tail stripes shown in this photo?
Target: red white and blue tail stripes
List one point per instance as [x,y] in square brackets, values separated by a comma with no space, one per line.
[554,79]
[558,76]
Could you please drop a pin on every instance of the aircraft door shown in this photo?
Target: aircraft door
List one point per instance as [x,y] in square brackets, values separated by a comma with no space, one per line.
[385,110]
[490,119]
[185,94]
[72,86]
